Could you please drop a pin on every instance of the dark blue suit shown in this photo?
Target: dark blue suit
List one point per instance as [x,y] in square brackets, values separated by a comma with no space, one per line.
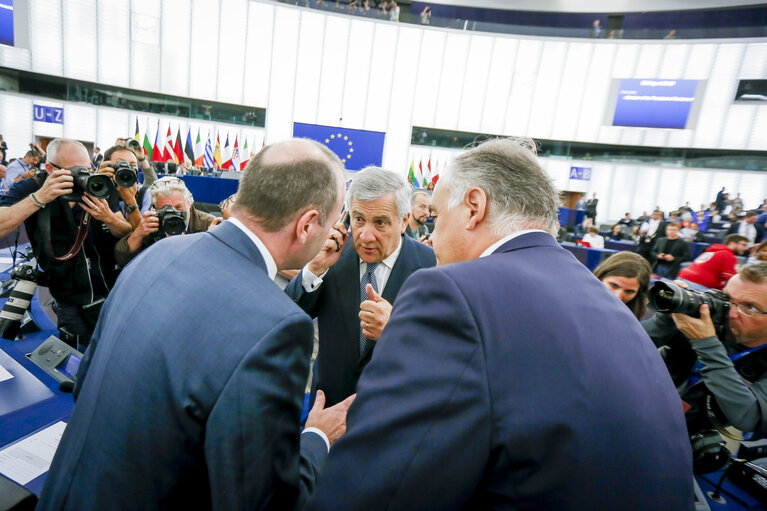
[194,388]
[337,305]
[515,381]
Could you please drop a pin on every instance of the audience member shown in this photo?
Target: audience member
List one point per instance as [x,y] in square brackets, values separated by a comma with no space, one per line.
[591,207]
[393,11]
[692,233]
[80,270]
[350,286]
[3,152]
[420,204]
[759,254]
[97,157]
[670,252]
[626,220]
[596,29]
[582,228]
[762,218]
[167,191]
[425,15]
[737,204]
[209,414]
[617,233]
[627,276]
[580,204]
[593,238]
[714,267]
[748,228]
[644,217]
[455,388]
[23,168]
[650,231]
[721,200]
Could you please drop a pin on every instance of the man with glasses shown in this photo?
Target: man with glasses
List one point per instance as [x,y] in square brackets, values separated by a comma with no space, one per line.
[79,264]
[743,403]
[167,191]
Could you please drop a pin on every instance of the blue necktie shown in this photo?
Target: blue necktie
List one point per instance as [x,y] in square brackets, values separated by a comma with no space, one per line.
[368,278]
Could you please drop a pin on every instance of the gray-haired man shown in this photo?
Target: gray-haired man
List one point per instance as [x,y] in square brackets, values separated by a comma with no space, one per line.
[350,286]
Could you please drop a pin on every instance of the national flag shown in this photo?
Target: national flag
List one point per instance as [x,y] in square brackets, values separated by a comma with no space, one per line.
[137,137]
[411,175]
[147,143]
[356,148]
[235,161]
[167,150]
[226,155]
[423,176]
[199,150]
[428,166]
[189,149]
[178,147]
[217,154]
[208,158]
[156,152]
[245,161]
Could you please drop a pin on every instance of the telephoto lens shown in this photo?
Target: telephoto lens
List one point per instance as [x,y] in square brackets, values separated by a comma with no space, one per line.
[665,296]
[18,301]
[97,185]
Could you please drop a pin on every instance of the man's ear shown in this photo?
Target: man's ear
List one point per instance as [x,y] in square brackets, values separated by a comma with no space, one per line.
[476,201]
[404,223]
[307,223]
[49,168]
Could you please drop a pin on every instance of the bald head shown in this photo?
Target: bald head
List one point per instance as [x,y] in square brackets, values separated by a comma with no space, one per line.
[287,178]
[67,153]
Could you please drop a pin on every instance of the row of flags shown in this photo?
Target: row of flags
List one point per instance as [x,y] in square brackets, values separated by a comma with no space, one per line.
[203,155]
[421,176]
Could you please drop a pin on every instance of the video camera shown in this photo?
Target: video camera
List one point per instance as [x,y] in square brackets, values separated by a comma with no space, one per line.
[172,222]
[125,174]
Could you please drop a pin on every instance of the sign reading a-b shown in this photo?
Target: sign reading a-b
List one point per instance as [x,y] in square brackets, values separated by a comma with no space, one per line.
[52,114]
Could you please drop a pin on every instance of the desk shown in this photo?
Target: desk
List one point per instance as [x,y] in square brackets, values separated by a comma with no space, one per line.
[210,189]
[620,246]
[571,217]
[737,499]
[590,257]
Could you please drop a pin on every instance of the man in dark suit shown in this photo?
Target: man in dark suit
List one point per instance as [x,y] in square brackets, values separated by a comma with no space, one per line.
[749,228]
[670,252]
[334,286]
[591,207]
[491,389]
[650,232]
[97,157]
[190,393]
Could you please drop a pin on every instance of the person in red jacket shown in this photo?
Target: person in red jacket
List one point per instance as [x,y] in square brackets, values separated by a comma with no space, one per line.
[714,267]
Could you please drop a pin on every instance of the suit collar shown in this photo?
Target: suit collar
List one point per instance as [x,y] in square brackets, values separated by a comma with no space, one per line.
[530,239]
[232,236]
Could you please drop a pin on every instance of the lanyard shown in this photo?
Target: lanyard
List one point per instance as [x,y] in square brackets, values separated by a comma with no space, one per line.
[695,376]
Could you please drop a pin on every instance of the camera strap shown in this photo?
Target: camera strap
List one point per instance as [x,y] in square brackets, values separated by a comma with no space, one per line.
[44,224]
[750,368]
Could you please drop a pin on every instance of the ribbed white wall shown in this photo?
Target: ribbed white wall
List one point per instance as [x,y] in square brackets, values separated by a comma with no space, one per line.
[622,187]
[317,67]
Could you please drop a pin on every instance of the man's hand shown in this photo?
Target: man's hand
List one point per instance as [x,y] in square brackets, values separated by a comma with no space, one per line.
[330,253]
[30,173]
[58,183]
[332,421]
[374,314]
[149,224]
[215,222]
[98,208]
[696,328]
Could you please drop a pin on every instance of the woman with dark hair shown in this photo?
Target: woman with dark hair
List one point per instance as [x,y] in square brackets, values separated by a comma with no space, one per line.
[627,276]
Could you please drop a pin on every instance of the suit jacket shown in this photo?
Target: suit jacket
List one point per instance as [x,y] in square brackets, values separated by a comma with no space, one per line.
[646,243]
[735,226]
[191,391]
[336,303]
[678,248]
[490,390]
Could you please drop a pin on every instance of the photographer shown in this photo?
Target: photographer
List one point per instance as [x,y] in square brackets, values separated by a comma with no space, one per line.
[168,194]
[741,394]
[72,234]
[113,158]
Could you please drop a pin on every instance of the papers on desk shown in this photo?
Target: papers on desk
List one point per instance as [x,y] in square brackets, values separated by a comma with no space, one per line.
[4,374]
[31,457]
[6,262]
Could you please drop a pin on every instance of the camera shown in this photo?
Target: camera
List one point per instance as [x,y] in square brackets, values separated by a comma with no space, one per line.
[665,296]
[133,144]
[97,185]
[26,277]
[172,222]
[125,174]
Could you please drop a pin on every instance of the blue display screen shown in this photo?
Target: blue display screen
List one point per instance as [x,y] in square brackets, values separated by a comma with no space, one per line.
[70,367]
[6,22]
[654,103]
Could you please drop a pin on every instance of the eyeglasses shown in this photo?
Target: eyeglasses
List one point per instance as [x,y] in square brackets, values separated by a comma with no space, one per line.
[747,310]
[167,181]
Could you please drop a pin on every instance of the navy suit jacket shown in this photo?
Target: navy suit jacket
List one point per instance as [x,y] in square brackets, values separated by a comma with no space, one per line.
[336,303]
[194,387]
[735,227]
[515,381]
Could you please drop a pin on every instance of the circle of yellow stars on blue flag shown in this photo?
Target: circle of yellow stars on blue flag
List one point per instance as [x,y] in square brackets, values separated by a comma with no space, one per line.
[341,145]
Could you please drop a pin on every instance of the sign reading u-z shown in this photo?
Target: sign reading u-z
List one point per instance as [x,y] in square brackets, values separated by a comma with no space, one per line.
[52,114]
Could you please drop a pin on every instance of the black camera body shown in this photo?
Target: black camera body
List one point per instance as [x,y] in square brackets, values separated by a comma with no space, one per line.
[97,185]
[172,222]
[125,174]
[665,296]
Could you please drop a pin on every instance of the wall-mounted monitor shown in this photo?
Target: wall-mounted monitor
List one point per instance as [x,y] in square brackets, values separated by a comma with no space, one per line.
[654,103]
[751,90]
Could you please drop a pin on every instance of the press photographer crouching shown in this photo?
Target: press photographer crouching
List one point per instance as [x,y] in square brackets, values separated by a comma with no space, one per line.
[172,213]
[715,354]
[72,220]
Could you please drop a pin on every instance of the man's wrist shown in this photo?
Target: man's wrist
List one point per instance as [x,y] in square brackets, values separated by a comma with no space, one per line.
[317,271]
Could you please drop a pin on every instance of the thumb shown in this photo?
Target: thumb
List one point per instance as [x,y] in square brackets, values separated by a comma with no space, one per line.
[705,313]
[372,293]
[319,402]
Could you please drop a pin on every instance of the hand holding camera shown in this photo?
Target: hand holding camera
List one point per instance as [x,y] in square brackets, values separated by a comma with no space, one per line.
[150,224]
[60,182]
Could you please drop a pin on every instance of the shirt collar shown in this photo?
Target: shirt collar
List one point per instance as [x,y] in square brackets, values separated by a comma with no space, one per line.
[495,246]
[271,266]
[389,261]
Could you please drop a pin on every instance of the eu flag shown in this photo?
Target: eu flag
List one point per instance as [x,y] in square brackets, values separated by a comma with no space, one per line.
[356,148]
